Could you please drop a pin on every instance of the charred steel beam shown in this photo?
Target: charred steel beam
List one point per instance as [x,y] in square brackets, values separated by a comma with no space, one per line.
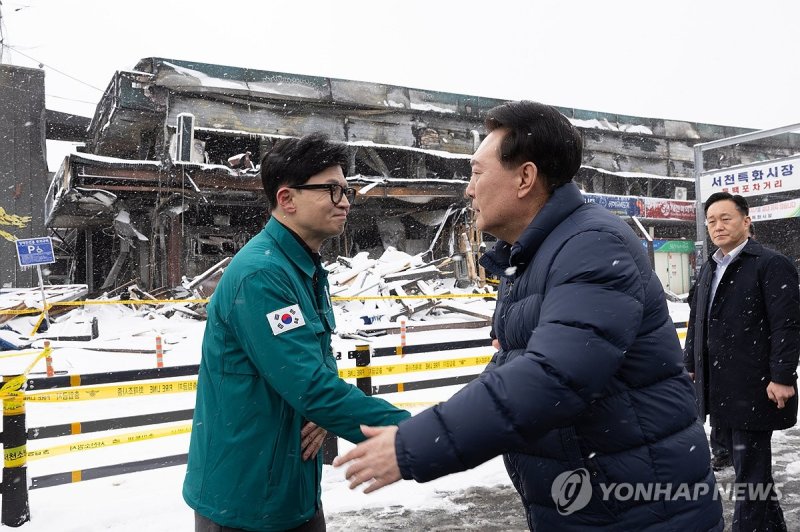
[203,181]
[413,192]
[129,171]
[175,251]
[66,126]
[190,194]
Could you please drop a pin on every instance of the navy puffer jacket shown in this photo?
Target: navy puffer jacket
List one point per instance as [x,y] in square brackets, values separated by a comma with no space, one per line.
[589,378]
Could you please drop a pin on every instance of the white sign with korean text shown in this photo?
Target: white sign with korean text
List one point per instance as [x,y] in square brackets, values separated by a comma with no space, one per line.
[776,211]
[754,179]
[35,251]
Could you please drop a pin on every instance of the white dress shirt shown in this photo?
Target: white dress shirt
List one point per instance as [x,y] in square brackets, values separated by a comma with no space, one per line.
[723,261]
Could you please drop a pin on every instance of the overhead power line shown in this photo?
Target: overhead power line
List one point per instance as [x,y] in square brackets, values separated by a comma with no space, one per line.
[42,64]
[71,99]
[21,89]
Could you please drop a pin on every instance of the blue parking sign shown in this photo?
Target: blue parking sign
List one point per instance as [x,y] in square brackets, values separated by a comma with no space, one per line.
[35,251]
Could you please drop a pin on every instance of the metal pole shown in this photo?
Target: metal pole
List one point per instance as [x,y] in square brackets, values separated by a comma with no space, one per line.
[89,262]
[747,137]
[362,356]
[651,254]
[46,323]
[330,446]
[15,510]
[699,215]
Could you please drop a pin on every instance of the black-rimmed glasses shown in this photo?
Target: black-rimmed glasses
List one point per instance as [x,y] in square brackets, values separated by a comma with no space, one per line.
[336,191]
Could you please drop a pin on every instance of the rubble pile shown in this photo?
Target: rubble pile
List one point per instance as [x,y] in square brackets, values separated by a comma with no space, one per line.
[25,306]
[371,295]
[25,299]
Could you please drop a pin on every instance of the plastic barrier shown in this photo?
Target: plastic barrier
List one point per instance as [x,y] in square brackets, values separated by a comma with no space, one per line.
[15,510]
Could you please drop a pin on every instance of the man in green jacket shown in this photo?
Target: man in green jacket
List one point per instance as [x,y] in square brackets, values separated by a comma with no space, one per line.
[268,381]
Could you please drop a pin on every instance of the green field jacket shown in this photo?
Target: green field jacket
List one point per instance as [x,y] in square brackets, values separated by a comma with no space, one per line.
[267,366]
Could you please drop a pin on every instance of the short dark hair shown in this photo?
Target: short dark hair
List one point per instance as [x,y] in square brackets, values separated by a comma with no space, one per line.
[540,134]
[294,161]
[739,201]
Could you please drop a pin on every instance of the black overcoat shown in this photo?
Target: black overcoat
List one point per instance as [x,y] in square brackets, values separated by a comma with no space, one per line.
[751,337]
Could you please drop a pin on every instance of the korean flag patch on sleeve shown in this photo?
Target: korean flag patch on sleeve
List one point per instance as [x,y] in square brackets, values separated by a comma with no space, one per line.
[285,319]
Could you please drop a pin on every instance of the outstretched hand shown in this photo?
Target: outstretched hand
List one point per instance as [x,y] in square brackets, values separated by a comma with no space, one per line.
[374,460]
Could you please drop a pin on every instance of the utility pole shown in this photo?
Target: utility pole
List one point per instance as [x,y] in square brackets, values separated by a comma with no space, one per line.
[2,36]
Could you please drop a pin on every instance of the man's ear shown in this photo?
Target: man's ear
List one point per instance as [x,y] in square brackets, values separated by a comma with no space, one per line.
[528,178]
[285,198]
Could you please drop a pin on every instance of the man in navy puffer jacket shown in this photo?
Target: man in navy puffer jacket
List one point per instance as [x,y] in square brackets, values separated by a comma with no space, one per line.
[587,398]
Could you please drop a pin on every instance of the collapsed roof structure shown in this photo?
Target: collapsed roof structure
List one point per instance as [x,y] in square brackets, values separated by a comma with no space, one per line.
[167,184]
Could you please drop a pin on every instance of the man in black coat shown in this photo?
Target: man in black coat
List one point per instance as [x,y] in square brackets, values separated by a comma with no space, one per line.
[587,398]
[742,348]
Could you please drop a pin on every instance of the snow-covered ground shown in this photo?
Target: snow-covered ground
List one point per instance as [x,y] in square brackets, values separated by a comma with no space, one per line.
[480,499]
[152,499]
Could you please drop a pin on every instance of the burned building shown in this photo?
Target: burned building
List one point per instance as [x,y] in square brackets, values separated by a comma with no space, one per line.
[167,184]
[24,126]
[150,201]
[23,171]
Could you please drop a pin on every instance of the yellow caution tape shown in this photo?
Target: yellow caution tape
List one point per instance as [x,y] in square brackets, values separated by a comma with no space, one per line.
[108,441]
[127,302]
[36,326]
[177,301]
[11,389]
[18,312]
[415,296]
[396,369]
[425,404]
[112,392]
[18,354]
[103,302]
[14,457]
[140,390]
[13,397]
[13,407]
